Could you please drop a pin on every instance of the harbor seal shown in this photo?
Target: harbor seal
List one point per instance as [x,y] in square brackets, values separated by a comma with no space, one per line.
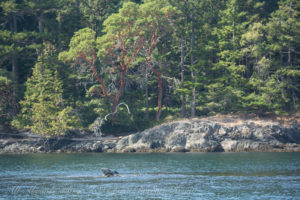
[109,173]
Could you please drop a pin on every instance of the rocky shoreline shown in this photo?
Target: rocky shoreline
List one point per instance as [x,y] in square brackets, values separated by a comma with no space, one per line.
[212,134]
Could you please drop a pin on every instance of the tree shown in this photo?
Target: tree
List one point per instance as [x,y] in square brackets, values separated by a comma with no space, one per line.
[94,12]
[155,21]
[181,35]
[83,53]
[203,17]
[39,8]
[283,31]
[254,44]
[12,13]
[132,29]
[43,110]
[16,40]
[231,71]
[168,58]
[66,8]
[7,107]
[121,43]
[283,36]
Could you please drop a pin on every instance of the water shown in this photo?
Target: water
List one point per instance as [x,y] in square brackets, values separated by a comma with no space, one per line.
[151,176]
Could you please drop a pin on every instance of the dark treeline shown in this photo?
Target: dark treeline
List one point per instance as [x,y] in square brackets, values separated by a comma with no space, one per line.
[66,64]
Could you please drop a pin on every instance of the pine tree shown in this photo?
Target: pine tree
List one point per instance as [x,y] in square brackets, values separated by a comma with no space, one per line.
[12,13]
[43,110]
[232,70]
[94,12]
[283,36]
[7,107]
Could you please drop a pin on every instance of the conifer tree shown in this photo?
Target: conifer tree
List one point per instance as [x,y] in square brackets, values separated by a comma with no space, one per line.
[6,101]
[43,110]
[283,36]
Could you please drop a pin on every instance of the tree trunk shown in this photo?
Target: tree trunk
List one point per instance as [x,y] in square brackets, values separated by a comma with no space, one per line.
[147,96]
[289,56]
[15,28]
[281,58]
[59,31]
[233,33]
[75,92]
[183,100]
[41,31]
[117,97]
[77,14]
[15,69]
[160,91]
[41,19]
[193,103]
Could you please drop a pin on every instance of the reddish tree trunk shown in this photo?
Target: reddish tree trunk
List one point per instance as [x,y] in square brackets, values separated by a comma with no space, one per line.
[147,95]
[160,92]
[117,97]
[153,40]
[94,70]
[99,80]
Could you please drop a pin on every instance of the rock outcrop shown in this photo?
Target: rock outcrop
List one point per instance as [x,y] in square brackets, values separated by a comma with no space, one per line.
[230,134]
[209,136]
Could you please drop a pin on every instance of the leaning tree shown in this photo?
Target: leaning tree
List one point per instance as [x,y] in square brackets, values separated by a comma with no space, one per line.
[133,31]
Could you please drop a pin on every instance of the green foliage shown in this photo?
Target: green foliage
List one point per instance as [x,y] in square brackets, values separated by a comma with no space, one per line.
[239,56]
[83,41]
[94,12]
[43,110]
[6,98]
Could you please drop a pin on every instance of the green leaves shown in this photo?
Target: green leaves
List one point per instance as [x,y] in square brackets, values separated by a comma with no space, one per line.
[83,41]
[6,97]
[43,109]
[239,56]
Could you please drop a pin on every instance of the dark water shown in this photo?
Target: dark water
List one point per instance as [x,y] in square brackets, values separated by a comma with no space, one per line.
[151,176]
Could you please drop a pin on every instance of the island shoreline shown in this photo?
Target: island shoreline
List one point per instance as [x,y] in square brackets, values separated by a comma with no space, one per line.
[210,134]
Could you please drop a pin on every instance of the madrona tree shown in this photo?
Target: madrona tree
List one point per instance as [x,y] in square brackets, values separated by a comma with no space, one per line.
[133,31]
[154,22]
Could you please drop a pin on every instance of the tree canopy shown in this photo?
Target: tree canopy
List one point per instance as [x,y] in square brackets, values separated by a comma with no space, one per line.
[66,65]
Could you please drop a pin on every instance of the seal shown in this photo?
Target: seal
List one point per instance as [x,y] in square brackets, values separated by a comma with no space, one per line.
[109,173]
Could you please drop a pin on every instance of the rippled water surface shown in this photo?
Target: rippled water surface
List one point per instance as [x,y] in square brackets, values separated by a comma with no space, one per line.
[151,176]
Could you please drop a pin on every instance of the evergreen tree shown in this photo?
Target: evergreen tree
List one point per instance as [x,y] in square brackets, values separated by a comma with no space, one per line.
[43,110]
[283,36]
[227,91]
[94,12]
[230,55]
[6,101]
[12,13]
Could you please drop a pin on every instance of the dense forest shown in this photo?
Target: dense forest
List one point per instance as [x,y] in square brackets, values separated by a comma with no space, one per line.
[121,66]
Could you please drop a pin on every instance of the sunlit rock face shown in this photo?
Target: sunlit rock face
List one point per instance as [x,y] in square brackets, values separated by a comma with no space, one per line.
[212,134]
[229,135]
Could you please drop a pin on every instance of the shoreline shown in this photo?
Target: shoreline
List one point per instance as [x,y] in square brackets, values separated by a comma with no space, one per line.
[211,134]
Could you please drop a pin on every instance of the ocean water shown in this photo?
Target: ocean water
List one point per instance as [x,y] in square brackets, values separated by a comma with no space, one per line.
[151,176]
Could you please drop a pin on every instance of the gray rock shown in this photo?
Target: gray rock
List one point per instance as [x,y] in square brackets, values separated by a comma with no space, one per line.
[207,136]
[196,135]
